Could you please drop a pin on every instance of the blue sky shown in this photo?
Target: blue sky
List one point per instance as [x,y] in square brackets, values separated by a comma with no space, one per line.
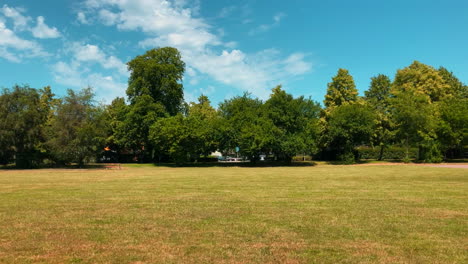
[229,46]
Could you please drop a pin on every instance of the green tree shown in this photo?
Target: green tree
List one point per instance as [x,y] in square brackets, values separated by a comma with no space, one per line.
[23,116]
[115,114]
[341,90]
[295,121]
[422,79]
[170,136]
[186,138]
[452,130]
[416,119]
[456,88]
[378,98]
[133,132]
[349,126]
[77,131]
[245,125]
[158,73]
[422,88]
[201,120]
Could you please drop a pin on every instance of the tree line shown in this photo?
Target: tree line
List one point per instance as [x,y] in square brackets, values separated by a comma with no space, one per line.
[424,110]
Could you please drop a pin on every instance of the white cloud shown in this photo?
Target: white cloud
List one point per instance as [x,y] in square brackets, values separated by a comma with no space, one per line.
[4,53]
[20,22]
[81,17]
[14,48]
[92,53]
[41,30]
[108,18]
[296,65]
[76,75]
[175,23]
[79,72]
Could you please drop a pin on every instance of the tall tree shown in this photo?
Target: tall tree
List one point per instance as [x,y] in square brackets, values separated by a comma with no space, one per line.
[245,126]
[455,87]
[115,114]
[133,132]
[418,91]
[158,73]
[23,115]
[422,79]
[295,121]
[77,131]
[377,97]
[349,126]
[202,120]
[416,119]
[341,90]
[185,138]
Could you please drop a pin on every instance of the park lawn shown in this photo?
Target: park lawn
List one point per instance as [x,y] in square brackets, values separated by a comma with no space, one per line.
[321,214]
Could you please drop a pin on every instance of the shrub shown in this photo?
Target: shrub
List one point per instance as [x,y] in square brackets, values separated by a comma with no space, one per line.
[390,153]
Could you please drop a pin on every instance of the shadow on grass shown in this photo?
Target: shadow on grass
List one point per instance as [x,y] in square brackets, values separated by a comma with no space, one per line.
[234,164]
[117,166]
[97,166]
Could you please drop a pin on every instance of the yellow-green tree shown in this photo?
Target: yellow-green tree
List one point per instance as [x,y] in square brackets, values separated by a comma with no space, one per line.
[341,90]
[421,79]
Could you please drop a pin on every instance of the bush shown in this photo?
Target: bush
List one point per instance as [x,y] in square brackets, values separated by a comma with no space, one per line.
[302,158]
[390,153]
[347,157]
[430,152]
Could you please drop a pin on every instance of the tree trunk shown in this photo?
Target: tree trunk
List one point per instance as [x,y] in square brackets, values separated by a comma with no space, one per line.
[381,152]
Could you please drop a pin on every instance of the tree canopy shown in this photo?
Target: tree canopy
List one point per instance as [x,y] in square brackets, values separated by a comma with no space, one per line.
[422,110]
[158,74]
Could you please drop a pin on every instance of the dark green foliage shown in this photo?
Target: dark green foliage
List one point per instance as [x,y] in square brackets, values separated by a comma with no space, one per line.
[77,131]
[23,115]
[186,138]
[133,131]
[245,125]
[158,74]
[423,108]
[452,130]
[349,126]
[391,153]
[378,98]
[295,122]
[414,118]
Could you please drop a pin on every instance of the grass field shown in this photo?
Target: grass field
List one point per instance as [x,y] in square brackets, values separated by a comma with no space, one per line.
[321,214]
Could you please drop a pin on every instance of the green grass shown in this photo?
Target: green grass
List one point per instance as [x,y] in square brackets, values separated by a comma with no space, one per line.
[320,214]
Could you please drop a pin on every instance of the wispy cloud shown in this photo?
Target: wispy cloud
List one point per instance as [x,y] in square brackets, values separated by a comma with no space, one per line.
[19,20]
[267,27]
[227,11]
[14,48]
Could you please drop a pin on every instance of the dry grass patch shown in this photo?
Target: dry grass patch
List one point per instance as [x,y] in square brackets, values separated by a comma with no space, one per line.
[321,214]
